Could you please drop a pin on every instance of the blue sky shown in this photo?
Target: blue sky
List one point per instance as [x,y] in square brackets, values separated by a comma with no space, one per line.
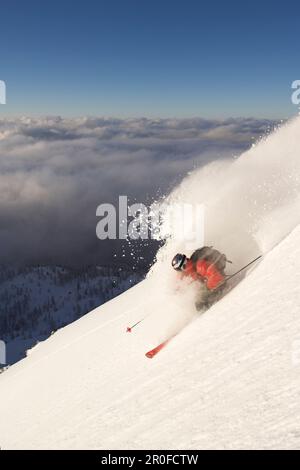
[154,58]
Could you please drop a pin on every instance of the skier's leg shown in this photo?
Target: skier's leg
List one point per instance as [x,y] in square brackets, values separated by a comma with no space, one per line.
[216,294]
[202,300]
[206,298]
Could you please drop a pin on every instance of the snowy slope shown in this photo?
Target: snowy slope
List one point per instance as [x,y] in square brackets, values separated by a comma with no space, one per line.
[228,381]
[231,379]
[35,301]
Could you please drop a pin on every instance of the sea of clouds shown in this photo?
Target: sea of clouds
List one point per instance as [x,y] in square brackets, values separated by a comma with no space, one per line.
[54,172]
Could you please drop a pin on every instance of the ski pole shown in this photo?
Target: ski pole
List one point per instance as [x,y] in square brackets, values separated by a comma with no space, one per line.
[240,270]
[129,328]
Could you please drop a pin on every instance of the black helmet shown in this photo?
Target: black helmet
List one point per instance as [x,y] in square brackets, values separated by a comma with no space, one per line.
[178,261]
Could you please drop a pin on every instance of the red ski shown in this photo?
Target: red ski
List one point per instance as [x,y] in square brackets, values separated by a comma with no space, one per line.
[156,350]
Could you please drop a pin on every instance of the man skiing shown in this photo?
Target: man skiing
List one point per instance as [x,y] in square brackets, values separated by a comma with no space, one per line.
[207,266]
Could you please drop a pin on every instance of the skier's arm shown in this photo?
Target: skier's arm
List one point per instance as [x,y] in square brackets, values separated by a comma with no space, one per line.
[201,269]
[214,277]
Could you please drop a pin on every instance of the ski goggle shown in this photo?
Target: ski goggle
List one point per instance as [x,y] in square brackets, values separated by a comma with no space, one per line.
[178,261]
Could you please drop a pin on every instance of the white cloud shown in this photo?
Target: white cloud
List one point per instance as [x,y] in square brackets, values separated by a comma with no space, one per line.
[54,172]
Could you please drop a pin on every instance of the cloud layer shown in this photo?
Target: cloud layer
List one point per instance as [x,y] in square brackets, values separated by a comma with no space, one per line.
[54,173]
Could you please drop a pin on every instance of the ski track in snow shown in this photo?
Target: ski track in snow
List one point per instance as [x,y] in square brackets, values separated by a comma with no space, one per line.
[228,380]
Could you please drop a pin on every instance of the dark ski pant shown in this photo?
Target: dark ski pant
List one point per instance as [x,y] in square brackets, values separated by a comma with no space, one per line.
[207,298]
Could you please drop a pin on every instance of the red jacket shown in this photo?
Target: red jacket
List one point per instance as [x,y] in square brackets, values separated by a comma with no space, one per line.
[204,271]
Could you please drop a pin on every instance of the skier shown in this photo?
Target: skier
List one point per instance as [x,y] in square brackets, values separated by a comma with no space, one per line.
[206,265]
